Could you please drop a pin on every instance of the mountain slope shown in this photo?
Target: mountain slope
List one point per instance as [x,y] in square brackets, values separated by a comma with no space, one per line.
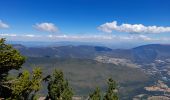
[142,54]
[85,74]
[149,53]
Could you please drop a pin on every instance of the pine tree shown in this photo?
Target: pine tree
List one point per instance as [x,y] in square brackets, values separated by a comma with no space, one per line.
[111,93]
[58,87]
[10,59]
[26,86]
[96,95]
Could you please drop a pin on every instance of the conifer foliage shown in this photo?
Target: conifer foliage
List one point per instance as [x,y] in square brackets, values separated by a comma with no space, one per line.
[111,93]
[58,87]
[96,95]
[25,86]
[10,59]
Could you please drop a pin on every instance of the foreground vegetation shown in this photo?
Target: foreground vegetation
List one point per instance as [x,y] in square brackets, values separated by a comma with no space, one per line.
[26,85]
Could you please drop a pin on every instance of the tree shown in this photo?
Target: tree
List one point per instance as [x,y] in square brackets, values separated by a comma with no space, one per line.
[10,59]
[111,93]
[58,87]
[26,86]
[96,95]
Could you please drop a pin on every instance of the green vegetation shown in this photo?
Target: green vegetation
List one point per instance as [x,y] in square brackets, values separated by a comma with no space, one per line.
[96,95]
[58,88]
[10,59]
[111,93]
[25,86]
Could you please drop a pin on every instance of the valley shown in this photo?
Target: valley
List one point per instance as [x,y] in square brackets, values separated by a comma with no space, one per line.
[84,66]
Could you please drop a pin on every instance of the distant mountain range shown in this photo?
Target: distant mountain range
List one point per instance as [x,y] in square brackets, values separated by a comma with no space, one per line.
[141,54]
[113,45]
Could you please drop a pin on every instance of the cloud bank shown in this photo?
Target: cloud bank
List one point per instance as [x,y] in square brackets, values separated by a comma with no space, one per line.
[83,38]
[132,28]
[3,25]
[48,27]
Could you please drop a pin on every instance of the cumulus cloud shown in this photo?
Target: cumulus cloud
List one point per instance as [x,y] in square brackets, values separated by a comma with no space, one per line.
[3,25]
[132,28]
[49,27]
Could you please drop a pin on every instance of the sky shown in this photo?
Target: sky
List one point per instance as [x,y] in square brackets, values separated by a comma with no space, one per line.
[136,21]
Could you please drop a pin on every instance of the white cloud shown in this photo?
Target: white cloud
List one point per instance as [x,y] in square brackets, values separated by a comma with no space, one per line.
[132,28]
[61,37]
[49,27]
[81,37]
[3,25]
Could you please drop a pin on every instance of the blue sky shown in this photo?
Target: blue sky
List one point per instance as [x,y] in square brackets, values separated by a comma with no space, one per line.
[84,20]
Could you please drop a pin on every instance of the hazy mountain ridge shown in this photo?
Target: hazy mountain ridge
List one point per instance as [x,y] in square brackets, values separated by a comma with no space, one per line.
[142,54]
[149,53]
